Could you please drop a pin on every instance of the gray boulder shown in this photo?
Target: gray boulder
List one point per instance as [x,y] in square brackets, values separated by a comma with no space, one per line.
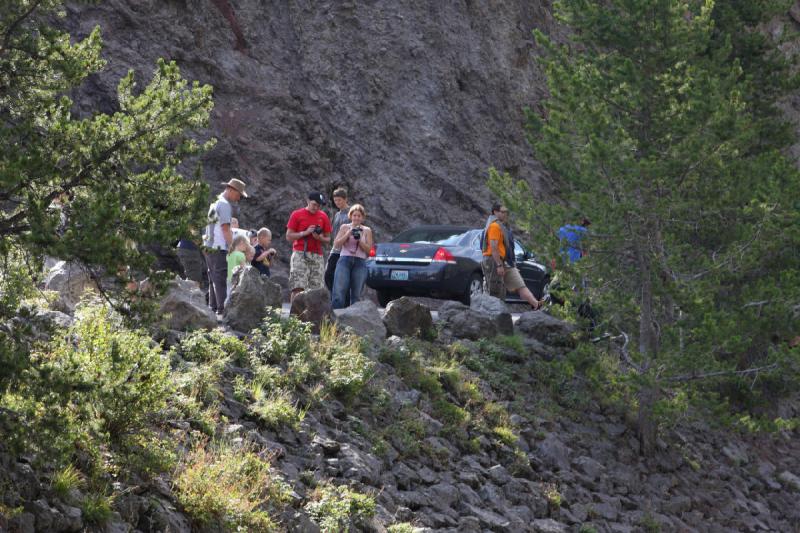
[312,306]
[790,480]
[70,280]
[545,328]
[554,453]
[495,308]
[364,319]
[161,515]
[252,295]
[466,323]
[184,307]
[406,318]
[548,525]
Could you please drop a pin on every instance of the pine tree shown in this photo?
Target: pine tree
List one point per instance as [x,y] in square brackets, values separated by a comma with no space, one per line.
[668,138]
[95,188]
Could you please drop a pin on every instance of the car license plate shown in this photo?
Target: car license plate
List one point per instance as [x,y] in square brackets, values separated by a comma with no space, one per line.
[398,275]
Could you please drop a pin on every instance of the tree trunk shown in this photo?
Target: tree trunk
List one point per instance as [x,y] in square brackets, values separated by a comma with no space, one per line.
[646,425]
[648,348]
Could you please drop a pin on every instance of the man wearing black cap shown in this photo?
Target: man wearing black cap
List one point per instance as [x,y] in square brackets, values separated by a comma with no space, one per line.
[308,227]
[217,240]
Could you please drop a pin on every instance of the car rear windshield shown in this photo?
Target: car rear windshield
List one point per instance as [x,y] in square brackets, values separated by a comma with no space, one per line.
[446,236]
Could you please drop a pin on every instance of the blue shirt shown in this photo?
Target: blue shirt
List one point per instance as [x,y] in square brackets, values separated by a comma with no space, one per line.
[572,234]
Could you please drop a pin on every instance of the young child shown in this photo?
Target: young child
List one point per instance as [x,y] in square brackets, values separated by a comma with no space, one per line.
[263,253]
[236,258]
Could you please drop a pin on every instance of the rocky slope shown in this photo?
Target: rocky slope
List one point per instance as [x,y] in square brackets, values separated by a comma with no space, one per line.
[404,103]
[465,431]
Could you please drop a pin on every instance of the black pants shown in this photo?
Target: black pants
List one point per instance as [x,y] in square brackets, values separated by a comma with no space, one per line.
[194,265]
[217,263]
[330,270]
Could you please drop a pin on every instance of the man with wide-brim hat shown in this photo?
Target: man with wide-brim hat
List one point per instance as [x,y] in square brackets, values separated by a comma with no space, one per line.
[217,241]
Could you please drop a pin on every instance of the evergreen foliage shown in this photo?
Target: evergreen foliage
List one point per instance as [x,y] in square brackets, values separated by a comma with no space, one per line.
[95,188]
[91,387]
[663,128]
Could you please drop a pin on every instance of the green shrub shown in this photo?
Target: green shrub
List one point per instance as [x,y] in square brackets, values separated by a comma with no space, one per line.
[148,454]
[96,383]
[450,414]
[278,339]
[227,488]
[403,527]
[335,509]
[65,480]
[208,346]
[506,435]
[553,496]
[348,368]
[276,409]
[512,342]
[97,508]
[201,381]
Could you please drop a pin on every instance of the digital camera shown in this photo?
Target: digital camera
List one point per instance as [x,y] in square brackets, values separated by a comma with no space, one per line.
[318,230]
[356,233]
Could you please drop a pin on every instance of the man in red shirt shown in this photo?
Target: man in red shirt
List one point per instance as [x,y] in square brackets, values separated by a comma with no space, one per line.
[308,227]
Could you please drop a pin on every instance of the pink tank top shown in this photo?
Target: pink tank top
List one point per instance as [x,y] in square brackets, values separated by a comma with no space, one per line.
[352,249]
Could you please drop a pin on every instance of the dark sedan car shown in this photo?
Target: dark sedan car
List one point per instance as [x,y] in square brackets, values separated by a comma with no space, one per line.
[441,262]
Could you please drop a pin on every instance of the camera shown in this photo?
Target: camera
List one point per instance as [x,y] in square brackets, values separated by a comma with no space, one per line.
[318,230]
[356,233]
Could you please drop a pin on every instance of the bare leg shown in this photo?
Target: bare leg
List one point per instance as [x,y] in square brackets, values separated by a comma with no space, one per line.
[526,294]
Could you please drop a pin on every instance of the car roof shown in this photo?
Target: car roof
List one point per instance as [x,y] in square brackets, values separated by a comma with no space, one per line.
[440,227]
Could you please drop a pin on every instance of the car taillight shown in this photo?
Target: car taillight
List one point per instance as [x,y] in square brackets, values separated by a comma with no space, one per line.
[373,251]
[443,255]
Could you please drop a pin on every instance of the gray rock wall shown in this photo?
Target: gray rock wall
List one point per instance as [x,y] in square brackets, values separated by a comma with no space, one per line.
[406,103]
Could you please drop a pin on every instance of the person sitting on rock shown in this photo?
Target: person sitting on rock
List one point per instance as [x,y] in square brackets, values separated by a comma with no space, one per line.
[263,253]
[354,240]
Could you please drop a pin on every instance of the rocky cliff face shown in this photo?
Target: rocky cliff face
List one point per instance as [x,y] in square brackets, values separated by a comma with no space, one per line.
[404,103]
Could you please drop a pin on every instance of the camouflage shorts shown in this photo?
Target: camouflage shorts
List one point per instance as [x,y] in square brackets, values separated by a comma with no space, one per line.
[306,271]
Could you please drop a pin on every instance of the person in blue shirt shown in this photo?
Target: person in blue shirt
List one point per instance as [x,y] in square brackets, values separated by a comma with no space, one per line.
[572,235]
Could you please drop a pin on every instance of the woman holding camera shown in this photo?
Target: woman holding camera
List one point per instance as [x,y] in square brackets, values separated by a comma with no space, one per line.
[355,240]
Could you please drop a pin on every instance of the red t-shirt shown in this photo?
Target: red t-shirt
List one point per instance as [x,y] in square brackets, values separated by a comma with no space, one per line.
[300,220]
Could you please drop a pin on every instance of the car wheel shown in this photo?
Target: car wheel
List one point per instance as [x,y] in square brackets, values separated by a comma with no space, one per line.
[475,286]
[385,296]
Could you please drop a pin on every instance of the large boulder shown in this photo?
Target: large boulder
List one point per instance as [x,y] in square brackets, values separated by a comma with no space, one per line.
[466,323]
[70,280]
[546,329]
[496,309]
[184,307]
[312,306]
[252,295]
[406,318]
[364,319]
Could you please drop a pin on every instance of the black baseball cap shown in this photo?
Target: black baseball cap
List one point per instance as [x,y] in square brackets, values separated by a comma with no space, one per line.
[316,197]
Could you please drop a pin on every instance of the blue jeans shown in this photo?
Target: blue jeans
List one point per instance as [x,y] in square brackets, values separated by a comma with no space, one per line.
[351,273]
